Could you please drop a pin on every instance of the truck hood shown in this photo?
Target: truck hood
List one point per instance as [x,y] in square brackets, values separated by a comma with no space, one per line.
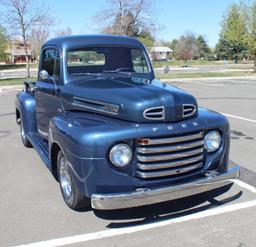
[132,99]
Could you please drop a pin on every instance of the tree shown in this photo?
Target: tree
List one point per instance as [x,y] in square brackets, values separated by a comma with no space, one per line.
[148,43]
[38,37]
[203,48]
[21,18]
[64,31]
[186,47]
[223,49]
[232,36]
[3,44]
[226,49]
[251,35]
[124,17]
[146,38]
[173,44]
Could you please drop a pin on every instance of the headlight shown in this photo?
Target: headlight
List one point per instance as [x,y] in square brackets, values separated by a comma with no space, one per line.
[120,155]
[212,141]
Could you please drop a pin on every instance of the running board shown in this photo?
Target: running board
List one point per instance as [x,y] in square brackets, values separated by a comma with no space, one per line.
[41,147]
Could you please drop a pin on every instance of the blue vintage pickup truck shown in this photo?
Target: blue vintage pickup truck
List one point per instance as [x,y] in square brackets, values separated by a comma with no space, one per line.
[111,134]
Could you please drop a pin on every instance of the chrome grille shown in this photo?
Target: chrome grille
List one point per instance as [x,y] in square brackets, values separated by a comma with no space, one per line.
[169,156]
[155,113]
[188,110]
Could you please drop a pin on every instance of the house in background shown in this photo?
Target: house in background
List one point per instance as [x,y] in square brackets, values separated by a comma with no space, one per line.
[160,52]
[16,52]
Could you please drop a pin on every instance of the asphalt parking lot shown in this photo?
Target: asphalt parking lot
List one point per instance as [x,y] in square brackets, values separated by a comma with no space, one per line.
[32,210]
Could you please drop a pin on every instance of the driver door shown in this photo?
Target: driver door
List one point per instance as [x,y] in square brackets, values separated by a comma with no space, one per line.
[47,98]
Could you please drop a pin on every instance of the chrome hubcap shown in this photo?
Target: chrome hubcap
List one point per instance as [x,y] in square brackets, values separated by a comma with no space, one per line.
[65,179]
[22,131]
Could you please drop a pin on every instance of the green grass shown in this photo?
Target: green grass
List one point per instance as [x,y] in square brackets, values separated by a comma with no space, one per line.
[16,66]
[198,75]
[161,64]
[16,81]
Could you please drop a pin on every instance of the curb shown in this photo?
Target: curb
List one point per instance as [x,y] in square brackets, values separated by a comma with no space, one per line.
[209,78]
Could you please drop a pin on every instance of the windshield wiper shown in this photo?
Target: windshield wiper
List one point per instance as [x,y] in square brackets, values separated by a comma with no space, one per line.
[83,73]
[121,71]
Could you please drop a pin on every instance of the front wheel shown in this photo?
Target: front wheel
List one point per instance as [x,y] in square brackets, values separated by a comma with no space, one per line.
[24,138]
[71,195]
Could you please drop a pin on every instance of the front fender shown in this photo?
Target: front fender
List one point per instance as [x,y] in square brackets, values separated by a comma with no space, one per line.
[87,135]
[26,105]
[86,138]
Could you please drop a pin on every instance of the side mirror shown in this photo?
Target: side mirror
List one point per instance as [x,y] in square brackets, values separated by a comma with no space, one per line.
[43,74]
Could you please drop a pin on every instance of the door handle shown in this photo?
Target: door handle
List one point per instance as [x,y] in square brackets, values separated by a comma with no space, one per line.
[55,91]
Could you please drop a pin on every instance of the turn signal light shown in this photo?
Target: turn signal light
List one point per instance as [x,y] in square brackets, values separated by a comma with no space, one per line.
[143,141]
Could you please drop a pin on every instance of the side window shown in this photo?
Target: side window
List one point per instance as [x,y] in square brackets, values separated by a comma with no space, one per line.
[139,61]
[51,62]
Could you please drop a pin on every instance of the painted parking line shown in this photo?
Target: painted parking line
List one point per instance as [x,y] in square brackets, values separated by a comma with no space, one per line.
[245,186]
[199,83]
[82,238]
[211,84]
[237,117]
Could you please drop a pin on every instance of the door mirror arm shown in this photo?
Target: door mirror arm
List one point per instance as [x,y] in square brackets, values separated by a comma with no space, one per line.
[43,75]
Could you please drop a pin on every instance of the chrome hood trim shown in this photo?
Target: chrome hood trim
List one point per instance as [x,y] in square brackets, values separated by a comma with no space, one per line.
[95,105]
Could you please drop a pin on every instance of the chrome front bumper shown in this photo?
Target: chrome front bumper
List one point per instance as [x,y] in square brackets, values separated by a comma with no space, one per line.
[150,196]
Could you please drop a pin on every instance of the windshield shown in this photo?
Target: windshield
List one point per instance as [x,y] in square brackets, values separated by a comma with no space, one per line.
[92,60]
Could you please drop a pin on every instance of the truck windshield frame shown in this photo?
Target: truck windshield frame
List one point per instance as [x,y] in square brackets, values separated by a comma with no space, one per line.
[94,60]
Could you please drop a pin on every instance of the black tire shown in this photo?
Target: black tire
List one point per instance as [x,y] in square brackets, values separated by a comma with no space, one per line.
[23,135]
[72,197]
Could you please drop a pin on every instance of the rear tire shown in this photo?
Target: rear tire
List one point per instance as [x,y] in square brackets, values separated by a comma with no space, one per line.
[71,195]
[23,135]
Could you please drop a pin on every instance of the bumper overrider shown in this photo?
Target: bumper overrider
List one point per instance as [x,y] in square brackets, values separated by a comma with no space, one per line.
[142,196]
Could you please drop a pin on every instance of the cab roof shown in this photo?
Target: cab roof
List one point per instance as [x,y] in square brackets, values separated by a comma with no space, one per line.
[72,41]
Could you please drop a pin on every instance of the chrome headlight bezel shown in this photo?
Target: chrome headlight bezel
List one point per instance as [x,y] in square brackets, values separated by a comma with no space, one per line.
[120,155]
[212,141]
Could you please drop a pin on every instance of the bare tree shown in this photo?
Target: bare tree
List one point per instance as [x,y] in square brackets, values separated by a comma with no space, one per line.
[38,36]
[124,17]
[64,31]
[3,44]
[21,18]
[186,47]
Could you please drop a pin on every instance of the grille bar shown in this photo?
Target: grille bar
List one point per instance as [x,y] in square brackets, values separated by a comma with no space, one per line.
[145,141]
[170,156]
[166,165]
[163,157]
[165,149]
[168,172]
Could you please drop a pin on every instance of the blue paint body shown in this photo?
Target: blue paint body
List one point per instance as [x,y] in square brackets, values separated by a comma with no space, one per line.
[86,136]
